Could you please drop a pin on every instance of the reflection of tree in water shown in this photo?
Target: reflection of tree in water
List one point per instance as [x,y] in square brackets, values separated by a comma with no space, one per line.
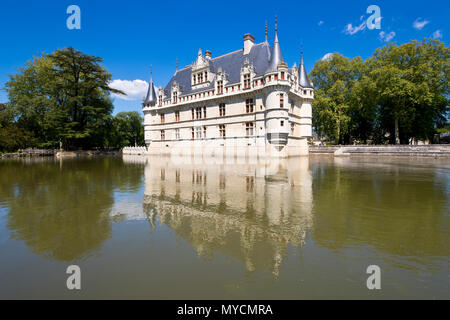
[61,209]
[228,212]
[399,209]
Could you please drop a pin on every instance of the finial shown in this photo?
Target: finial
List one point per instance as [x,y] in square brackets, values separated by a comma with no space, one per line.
[301,52]
[276,24]
[151,73]
[176,65]
[266,30]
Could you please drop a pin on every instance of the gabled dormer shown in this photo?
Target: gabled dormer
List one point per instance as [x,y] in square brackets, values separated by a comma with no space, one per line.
[201,75]
[161,96]
[247,74]
[221,80]
[175,92]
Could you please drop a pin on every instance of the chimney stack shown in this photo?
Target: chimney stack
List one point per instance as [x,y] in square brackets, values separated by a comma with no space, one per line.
[249,41]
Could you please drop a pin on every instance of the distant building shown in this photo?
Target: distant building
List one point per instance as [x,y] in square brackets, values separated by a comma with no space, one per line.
[244,101]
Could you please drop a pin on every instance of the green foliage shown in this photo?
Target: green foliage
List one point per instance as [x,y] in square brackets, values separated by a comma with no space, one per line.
[398,94]
[62,97]
[126,129]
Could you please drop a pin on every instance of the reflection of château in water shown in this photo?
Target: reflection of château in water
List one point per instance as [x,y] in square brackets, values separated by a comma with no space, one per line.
[248,211]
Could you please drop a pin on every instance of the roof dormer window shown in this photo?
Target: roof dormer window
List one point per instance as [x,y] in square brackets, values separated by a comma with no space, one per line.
[247,81]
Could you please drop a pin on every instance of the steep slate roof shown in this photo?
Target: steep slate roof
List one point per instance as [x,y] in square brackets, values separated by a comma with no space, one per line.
[151,93]
[231,65]
[302,75]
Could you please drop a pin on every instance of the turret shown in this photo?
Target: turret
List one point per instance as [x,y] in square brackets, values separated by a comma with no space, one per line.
[150,99]
[275,55]
[303,80]
[276,100]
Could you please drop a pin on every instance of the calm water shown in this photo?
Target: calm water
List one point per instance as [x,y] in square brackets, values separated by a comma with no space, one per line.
[295,229]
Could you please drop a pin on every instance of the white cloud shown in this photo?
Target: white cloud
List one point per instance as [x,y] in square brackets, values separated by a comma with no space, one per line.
[387,36]
[437,34]
[134,89]
[420,24]
[351,30]
[321,23]
[327,57]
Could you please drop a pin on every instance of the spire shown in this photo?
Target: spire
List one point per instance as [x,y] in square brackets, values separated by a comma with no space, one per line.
[266,32]
[275,56]
[303,80]
[151,93]
[176,64]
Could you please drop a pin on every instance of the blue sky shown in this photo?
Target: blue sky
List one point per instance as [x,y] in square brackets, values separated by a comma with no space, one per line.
[132,35]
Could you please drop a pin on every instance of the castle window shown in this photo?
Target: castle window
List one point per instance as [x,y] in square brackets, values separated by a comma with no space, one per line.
[163,135]
[175,97]
[249,104]
[292,127]
[206,75]
[281,100]
[177,116]
[276,77]
[198,112]
[282,123]
[192,111]
[160,101]
[200,77]
[219,87]
[177,134]
[198,132]
[193,134]
[222,109]
[222,131]
[249,129]
[204,132]
[282,75]
[204,112]
[162,118]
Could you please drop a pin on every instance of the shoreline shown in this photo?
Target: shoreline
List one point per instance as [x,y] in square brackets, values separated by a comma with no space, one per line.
[38,153]
[434,151]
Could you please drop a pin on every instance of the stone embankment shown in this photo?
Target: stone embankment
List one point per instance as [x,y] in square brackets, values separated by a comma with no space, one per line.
[30,152]
[134,150]
[433,150]
[26,153]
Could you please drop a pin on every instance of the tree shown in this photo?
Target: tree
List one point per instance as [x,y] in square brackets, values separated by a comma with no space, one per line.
[126,130]
[400,94]
[412,87]
[63,97]
[333,80]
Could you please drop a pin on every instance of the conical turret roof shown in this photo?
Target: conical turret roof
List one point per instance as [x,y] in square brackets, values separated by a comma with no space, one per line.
[275,56]
[151,93]
[303,80]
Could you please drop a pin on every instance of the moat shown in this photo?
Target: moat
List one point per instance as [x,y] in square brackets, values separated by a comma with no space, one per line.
[159,228]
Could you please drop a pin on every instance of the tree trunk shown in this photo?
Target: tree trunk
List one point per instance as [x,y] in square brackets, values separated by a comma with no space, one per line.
[397,134]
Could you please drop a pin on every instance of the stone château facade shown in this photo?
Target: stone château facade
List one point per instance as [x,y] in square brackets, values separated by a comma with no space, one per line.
[242,102]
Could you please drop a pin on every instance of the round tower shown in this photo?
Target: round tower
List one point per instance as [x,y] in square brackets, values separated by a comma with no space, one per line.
[148,103]
[276,101]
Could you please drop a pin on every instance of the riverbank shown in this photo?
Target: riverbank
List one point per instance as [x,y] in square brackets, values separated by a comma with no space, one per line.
[29,153]
[433,150]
